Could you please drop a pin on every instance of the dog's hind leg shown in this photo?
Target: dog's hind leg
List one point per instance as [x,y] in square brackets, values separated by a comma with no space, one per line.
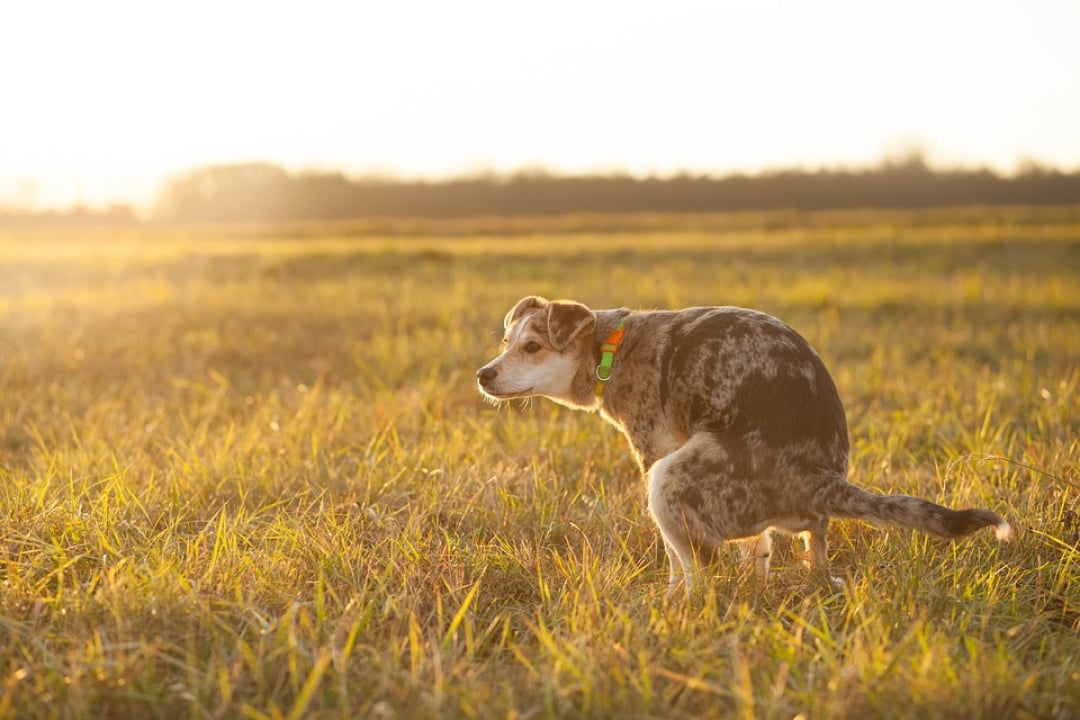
[817,546]
[696,503]
[672,523]
[676,572]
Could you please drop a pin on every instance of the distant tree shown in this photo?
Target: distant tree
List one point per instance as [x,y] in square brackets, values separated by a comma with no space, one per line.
[226,192]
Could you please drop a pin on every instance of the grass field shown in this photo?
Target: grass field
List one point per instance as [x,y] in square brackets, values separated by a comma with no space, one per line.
[244,472]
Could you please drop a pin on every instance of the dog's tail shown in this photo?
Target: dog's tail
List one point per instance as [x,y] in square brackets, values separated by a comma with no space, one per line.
[914,513]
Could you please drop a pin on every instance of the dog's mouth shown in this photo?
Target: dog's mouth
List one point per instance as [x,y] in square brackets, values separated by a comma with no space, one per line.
[505,394]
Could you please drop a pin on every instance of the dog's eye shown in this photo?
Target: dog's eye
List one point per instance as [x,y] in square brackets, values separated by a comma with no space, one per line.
[531,347]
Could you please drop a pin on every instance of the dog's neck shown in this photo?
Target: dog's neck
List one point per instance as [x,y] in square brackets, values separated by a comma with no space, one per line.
[582,395]
[606,320]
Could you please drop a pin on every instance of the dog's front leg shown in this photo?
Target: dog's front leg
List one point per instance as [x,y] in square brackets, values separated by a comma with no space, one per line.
[759,550]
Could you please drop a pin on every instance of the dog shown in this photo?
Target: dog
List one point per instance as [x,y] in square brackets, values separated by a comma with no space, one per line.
[734,420]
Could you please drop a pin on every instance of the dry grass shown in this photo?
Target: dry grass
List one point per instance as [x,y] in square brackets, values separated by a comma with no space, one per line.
[244,472]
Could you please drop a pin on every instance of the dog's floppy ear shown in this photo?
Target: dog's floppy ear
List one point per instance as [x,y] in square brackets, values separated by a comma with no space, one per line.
[567,320]
[523,305]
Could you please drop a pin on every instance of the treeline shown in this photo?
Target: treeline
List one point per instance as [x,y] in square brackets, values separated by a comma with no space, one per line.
[268,193]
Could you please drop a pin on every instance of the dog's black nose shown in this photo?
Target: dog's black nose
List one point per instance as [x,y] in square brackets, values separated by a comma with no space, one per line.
[486,375]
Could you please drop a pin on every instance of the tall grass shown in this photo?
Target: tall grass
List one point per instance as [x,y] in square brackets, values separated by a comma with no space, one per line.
[244,472]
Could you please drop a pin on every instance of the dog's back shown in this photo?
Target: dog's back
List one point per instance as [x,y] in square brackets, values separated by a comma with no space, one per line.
[738,374]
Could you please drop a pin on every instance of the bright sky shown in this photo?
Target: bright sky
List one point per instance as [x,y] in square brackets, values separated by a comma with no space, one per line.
[100,100]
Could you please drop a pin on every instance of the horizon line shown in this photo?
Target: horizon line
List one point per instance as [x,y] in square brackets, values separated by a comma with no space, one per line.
[910,159]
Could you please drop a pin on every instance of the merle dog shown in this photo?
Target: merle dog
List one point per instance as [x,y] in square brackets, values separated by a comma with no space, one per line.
[732,416]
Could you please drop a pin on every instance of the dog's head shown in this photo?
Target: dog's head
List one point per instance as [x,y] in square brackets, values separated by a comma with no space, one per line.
[544,347]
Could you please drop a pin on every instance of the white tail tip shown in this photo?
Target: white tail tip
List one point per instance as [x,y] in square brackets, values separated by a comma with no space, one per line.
[1003,531]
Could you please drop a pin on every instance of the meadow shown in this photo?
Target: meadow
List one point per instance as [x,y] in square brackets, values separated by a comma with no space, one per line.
[245,472]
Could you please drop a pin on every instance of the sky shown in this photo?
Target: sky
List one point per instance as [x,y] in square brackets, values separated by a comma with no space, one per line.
[101,101]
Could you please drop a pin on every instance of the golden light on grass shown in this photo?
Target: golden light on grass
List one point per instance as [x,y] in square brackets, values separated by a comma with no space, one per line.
[242,472]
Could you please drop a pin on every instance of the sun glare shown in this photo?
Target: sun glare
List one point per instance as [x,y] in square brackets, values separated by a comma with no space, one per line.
[105,99]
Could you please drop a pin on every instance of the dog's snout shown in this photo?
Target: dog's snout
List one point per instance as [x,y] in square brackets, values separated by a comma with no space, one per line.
[486,374]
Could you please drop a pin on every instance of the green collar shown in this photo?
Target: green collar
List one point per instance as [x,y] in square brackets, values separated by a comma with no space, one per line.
[607,356]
